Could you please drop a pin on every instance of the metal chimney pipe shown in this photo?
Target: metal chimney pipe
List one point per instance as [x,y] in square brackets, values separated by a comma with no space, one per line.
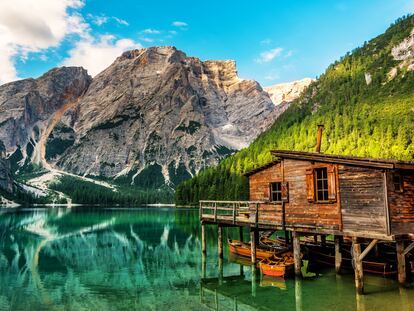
[319,138]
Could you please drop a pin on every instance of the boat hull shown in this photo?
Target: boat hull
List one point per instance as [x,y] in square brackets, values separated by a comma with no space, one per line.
[244,249]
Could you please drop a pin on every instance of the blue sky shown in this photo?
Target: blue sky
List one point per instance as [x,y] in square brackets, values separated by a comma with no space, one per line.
[271,41]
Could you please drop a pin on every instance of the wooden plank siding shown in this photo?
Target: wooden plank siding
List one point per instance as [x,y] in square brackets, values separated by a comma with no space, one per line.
[299,212]
[401,204]
[362,199]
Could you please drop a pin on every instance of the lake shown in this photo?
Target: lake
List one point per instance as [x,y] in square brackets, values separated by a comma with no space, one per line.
[150,259]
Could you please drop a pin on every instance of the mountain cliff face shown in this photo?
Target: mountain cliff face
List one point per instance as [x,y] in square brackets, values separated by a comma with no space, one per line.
[26,107]
[155,117]
[157,113]
[283,93]
[6,179]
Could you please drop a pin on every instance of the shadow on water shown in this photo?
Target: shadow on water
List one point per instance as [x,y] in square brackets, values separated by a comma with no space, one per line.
[150,259]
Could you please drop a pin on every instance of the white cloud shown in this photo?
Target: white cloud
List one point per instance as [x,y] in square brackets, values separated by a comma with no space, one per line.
[32,26]
[120,21]
[179,24]
[151,31]
[96,55]
[269,55]
[173,32]
[266,41]
[100,20]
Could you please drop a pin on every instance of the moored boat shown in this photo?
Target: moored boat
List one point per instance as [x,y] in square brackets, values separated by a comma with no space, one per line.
[325,256]
[244,249]
[277,266]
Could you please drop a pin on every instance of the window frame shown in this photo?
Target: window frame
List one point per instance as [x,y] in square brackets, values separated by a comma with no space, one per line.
[324,179]
[279,191]
[400,182]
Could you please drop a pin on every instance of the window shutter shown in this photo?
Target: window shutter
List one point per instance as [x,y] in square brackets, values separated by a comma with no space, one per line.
[331,183]
[285,191]
[310,185]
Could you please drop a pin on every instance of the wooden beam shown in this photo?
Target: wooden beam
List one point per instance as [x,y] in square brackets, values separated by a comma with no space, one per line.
[386,207]
[338,254]
[203,239]
[253,241]
[359,273]
[367,250]
[402,274]
[323,240]
[220,241]
[241,234]
[296,253]
[409,248]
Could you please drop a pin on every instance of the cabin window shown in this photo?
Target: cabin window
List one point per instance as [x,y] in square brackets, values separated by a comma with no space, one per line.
[276,192]
[321,184]
[397,182]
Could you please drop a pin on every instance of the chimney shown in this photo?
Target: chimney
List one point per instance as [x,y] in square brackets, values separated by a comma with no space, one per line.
[319,138]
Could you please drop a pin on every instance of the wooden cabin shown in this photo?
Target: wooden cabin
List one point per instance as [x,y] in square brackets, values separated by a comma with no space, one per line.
[309,193]
[338,195]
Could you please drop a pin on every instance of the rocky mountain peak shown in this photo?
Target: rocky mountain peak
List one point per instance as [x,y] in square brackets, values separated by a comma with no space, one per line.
[287,92]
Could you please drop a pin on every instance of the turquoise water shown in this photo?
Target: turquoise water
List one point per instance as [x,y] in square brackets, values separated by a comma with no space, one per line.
[150,259]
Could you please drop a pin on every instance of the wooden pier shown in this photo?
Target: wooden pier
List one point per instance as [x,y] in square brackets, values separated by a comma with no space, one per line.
[363,200]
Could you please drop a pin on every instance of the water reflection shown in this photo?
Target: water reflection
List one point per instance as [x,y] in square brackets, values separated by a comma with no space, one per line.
[146,259]
[64,259]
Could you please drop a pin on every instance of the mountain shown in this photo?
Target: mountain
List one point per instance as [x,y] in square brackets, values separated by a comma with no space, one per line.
[156,112]
[152,119]
[365,100]
[286,93]
[26,108]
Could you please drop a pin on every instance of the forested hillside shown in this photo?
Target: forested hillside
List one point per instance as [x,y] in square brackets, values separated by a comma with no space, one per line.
[365,100]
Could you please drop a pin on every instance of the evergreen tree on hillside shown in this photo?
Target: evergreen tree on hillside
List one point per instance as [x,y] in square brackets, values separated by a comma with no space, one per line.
[365,113]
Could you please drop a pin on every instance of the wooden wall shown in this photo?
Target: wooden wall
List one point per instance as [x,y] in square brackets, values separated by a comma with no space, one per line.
[362,199]
[401,204]
[299,211]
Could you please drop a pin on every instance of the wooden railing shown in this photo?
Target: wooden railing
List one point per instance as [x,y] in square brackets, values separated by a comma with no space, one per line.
[252,213]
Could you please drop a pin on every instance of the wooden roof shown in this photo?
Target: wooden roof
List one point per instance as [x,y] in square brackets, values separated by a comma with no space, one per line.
[337,159]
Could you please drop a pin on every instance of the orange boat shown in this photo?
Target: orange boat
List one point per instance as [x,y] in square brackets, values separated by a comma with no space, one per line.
[244,249]
[277,266]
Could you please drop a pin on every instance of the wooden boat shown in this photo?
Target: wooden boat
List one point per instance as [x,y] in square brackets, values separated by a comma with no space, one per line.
[326,257]
[244,249]
[277,266]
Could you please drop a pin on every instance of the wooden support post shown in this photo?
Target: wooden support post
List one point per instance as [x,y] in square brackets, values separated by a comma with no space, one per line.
[220,241]
[359,273]
[203,267]
[254,277]
[235,304]
[323,240]
[287,239]
[298,294]
[220,271]
[315,238]
[253,241]
[203,239]
[338,254]
[241,234]
[296,253]
[402,275]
